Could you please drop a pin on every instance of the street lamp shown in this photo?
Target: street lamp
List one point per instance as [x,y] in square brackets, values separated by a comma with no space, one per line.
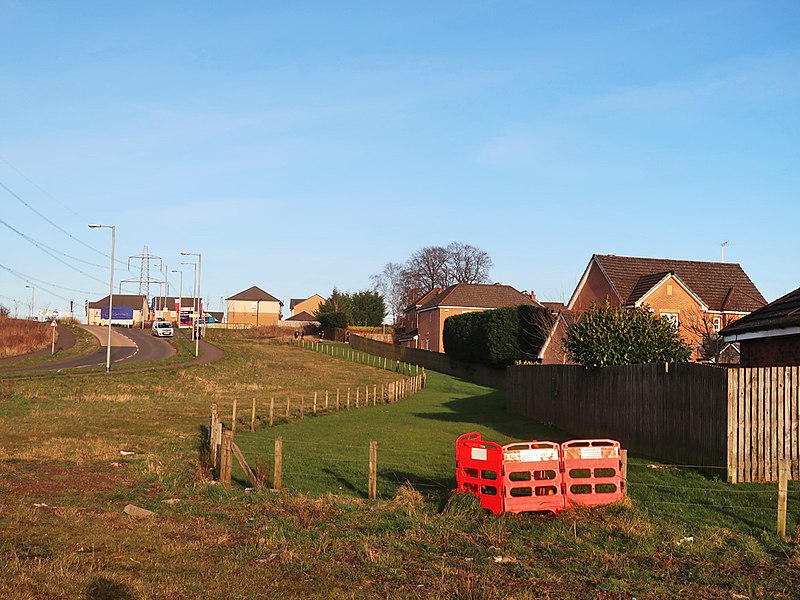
[180,293]
[194,293]
[33,302]
[113,229]
[199,301]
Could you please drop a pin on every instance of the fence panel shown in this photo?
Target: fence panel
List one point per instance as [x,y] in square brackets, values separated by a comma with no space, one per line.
[763,405]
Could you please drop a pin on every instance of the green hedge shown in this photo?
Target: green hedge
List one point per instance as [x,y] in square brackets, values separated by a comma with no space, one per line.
[497,337]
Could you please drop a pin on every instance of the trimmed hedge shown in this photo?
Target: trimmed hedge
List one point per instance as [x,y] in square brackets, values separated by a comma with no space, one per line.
[497,337]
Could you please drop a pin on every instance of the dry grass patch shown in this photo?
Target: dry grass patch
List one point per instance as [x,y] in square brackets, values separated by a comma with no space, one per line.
[18,336]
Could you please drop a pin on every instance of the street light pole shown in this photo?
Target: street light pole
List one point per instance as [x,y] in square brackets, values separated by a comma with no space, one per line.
[199,300]
[113,229]
[194,293]
[33,301]
[180,294]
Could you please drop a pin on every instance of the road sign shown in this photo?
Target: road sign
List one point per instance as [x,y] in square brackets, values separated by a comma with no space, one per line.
[55,314]
[53,323]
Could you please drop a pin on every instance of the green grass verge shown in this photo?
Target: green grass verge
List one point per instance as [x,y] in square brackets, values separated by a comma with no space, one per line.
[63,533]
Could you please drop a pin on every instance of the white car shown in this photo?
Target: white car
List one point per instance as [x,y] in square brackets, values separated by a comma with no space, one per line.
[162,329]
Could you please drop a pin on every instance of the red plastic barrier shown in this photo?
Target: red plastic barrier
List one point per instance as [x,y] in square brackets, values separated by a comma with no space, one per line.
[479,466]
[592,472]
[532,477]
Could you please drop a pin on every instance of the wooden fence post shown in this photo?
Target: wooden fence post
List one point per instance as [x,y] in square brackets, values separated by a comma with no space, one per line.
[212,427]
[326,400]
[277,471]
[337,399]
[233,417]
[302,406]
[253,417]
[383,395]
[271,410]
[374,393]
[348,398]
[373,469]
[315,403]
[225,459]
[357,391]
[288,401]
[783,485]
[217,446]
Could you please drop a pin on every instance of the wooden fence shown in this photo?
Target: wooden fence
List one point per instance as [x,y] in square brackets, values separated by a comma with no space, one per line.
[763,422]
[740,421]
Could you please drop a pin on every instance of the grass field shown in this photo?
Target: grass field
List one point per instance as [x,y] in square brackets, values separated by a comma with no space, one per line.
[20,336]
[63,533]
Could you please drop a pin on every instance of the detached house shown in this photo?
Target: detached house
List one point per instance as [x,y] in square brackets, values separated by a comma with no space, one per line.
[429,312]
[127,309]
[254,306]
[700,298]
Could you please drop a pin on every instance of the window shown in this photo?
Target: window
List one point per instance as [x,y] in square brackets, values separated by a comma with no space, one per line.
[671,317]
[669,289]
[717,324]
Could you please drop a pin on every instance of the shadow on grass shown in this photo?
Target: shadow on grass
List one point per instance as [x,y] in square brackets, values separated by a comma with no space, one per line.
[107,589]
[488,411]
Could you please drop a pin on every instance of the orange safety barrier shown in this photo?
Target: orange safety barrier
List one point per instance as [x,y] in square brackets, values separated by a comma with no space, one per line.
[532,477]
[592,472]
[539,476]
[479,466]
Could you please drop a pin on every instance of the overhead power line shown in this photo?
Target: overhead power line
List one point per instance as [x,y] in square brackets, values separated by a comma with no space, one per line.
[48,252]
[30,278]
[39,285]
[53,223]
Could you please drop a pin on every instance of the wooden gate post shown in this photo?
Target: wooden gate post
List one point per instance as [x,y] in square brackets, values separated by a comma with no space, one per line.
[253,417]
[278,469]
[233,417]
[783,485]
[225,459]
[271,410]
[373,469]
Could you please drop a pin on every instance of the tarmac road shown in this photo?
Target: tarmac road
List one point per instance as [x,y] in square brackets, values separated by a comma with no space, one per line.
[127,346]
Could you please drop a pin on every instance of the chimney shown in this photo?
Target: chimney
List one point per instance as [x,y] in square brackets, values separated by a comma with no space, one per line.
[533,296]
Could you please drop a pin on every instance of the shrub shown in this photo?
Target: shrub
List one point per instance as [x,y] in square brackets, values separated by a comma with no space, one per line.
[497,337]
[333,319]
[609,335]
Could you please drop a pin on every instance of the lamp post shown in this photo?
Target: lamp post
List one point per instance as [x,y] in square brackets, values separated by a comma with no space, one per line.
[199,301]
[33,302]
[180,293]
[194,292]
[113,229]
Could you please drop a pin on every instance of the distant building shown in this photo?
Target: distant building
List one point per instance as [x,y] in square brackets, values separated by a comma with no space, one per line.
[309,305]
[434,307]
[254,306]
[127,310]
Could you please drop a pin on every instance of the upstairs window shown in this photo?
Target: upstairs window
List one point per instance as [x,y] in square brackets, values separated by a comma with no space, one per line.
[671,317]
[717,324]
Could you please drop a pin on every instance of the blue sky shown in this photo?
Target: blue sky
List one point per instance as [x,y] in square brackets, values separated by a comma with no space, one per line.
[304,145]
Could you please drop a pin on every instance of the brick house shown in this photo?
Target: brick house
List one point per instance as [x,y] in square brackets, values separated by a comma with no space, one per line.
[699,297]
[431,310]
[410,320]
[254,306]
[769,336]
[308,305]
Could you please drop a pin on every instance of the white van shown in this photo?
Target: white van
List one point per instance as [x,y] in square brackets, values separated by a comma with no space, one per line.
[162,329]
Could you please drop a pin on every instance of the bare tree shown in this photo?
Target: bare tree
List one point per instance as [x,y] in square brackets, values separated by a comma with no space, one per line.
[702,331]
[428,268]
[467,264]
[391,283]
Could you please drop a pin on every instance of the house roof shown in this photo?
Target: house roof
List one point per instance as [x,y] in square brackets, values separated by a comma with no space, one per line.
[478,295]
[720,286]
[295,301]
[553,307]
[254,293]
[783,313]
[134,300]
[302,316]
[423,299]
